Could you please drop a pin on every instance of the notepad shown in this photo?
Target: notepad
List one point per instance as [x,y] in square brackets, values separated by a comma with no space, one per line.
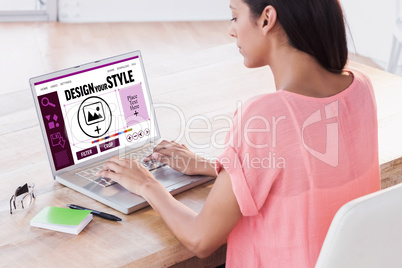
[59,219]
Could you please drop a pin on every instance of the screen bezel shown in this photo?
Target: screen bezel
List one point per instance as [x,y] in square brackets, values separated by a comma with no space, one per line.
[81,68]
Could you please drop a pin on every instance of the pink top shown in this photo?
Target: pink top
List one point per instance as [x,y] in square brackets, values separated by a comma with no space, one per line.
[294,161]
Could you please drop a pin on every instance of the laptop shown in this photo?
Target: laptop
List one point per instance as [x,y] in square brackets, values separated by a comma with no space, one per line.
[91,112]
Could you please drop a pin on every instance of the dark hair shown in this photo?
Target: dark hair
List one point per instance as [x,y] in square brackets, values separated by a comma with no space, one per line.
[316,27]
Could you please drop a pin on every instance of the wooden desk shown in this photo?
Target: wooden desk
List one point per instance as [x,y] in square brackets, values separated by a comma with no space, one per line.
[201,87]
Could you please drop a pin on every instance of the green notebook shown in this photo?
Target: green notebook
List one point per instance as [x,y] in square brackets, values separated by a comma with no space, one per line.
[59,219]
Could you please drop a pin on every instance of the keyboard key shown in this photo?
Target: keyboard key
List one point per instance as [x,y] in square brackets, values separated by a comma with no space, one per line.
[82,174]
[90,173]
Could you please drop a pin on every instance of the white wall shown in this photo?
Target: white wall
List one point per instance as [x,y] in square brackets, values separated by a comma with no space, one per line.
[143,10]
[371,26]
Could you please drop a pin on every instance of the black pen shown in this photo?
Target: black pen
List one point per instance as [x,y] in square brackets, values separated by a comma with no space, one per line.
[96,213]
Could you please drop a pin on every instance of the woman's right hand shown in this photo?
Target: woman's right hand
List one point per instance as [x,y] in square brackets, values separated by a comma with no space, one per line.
[180,158]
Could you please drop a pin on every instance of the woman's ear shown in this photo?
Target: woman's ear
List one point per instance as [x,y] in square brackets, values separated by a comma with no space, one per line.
[268,19]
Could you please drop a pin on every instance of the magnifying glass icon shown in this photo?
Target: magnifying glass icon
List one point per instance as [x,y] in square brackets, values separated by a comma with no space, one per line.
[45,102]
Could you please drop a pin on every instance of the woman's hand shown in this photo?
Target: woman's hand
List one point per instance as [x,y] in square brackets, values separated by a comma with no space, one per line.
[202,233]
[131,174]
[180,158]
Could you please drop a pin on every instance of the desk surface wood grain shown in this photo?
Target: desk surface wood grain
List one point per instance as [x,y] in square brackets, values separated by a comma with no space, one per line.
[199,88]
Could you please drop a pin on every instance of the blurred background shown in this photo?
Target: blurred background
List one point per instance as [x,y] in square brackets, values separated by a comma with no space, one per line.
[371,23]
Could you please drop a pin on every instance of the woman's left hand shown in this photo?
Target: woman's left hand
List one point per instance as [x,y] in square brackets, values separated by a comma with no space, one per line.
[181,159]
[131,174]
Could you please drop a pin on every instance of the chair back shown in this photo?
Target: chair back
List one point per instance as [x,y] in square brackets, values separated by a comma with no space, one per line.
[366,232]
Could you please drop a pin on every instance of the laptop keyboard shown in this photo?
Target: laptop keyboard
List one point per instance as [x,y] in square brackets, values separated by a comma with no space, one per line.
[90,173]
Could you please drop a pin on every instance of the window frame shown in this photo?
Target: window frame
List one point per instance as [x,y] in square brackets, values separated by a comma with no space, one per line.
[48,14]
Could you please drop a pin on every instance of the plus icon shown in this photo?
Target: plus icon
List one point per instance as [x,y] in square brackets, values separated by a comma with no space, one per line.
[97,129]
[136,113]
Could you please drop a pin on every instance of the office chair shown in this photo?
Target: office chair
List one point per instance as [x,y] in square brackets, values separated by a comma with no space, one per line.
[366,232]
[397,39]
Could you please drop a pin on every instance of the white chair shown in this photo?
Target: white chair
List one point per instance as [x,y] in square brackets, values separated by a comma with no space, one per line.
[366,232]
[397,39]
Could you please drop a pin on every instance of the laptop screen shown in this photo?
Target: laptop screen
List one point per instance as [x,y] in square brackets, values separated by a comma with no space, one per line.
[94,111]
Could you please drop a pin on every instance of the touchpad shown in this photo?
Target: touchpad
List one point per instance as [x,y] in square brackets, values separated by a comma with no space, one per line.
[168,176]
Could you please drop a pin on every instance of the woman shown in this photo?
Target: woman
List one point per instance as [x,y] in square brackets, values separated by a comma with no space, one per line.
[320,123]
